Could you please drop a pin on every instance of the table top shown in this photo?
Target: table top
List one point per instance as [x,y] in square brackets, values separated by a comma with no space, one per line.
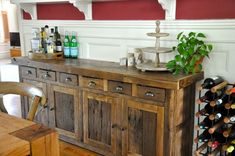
[9,144]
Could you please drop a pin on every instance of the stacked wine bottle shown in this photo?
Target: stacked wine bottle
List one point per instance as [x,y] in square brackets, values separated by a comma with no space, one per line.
[215,118]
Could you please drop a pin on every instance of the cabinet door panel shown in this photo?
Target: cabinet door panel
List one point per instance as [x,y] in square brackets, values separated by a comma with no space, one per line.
[99,121]
[99,118]
[144,135]
[64,111]
[42,113]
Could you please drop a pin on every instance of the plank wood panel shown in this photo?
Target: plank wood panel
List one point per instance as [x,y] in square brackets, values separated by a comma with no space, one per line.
[64,111]
[135,128]
[149,133]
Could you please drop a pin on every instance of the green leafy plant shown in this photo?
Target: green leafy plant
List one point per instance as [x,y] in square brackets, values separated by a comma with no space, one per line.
[191,50]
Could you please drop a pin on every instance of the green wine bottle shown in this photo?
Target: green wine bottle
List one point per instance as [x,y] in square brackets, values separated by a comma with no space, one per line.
[66,45]
[74,46]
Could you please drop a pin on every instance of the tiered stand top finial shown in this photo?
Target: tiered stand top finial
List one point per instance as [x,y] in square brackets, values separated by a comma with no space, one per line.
[156,65]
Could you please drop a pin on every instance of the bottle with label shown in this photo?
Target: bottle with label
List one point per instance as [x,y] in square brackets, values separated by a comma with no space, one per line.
[211,82]
[50,42]
[56,34]
[73,46]
[43,40]
[35,41]
[66,45]
[58,45]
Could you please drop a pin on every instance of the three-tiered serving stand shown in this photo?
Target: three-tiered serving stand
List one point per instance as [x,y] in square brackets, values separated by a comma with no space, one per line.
[155,65]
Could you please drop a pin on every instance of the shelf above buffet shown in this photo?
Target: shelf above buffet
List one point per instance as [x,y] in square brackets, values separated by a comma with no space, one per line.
[85,6]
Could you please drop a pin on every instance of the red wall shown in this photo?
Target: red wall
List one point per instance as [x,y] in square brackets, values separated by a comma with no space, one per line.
[205,9]
[139,10]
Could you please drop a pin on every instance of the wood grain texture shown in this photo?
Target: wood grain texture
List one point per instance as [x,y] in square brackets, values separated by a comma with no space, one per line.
[64,110]
[43,141]
[112,71]
[124,122]
[35,94]
[99,120]
[22,137]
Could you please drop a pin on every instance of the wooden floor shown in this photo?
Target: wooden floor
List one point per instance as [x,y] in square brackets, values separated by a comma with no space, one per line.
[71,150]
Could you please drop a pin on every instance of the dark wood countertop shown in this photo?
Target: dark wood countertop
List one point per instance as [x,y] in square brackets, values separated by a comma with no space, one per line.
[112,71]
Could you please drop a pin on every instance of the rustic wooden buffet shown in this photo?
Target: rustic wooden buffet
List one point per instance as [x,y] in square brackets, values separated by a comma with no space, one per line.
[114,110]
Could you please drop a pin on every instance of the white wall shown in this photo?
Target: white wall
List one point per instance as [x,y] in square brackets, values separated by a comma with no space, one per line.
[111,40]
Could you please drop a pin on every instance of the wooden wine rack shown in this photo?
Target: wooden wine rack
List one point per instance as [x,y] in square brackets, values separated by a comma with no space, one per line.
[204,148]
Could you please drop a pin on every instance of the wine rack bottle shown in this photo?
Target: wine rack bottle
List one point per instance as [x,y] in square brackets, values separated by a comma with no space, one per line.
[211,82]
[205,136]
[216,119]
[209,96]
[205,111]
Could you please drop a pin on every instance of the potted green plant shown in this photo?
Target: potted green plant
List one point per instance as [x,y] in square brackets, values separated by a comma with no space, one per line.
[191,50]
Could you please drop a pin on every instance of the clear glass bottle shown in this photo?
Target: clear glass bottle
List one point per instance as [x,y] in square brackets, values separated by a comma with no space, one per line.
[35,41]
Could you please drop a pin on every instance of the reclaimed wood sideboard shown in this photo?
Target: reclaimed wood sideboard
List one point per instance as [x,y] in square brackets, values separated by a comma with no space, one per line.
[114,110]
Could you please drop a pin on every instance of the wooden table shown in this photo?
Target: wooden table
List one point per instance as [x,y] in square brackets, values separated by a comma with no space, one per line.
[20,137]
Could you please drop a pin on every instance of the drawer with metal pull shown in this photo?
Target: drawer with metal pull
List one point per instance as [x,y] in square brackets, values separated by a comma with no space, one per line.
[28,72]
[70,79]
[151,93]
[46,75]
[93,83]
[119,87]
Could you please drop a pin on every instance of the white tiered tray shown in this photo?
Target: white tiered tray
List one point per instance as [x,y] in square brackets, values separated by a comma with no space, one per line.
[157,65]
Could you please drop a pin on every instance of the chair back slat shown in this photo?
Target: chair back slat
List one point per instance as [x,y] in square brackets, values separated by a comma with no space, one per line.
[24,89]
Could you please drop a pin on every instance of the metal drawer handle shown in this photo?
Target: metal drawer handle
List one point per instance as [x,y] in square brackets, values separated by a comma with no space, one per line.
[119,88]
[91,84]
[29,72]
[68,79]
[149,94]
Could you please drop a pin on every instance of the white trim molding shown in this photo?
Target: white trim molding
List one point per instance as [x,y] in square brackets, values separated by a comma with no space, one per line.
[170,8]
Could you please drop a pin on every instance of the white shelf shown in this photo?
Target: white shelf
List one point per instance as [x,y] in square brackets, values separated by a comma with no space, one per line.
[85,6]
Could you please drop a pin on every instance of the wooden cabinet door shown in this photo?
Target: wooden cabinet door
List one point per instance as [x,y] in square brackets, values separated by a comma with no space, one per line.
[42,113]
[99,120]
[64,110]
[144,129]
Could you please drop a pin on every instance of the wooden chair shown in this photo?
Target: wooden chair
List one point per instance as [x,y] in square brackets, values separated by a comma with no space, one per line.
[24,89]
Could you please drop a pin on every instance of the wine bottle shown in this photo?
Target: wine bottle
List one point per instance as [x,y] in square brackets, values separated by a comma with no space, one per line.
[216,126]
[206,123]
[229,119]
[209,96]
[211,82]
[229,132]
[218,113]
[56,34]
[66,45]
[203,137]
[213,144]
[223,100]
[205,111]
[231,147]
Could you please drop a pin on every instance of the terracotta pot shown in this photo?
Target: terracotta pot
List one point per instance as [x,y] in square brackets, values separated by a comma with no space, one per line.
[196,67]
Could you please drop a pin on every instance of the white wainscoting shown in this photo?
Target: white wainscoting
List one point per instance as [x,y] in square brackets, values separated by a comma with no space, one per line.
[111,40]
